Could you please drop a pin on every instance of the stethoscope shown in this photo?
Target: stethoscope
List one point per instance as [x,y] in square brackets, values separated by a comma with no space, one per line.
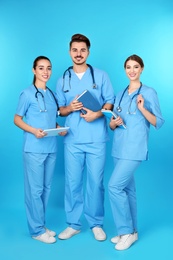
[94,86]
[39,92]
[119,109]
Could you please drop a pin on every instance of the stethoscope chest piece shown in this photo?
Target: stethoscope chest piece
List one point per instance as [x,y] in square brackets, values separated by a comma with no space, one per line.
[119,109]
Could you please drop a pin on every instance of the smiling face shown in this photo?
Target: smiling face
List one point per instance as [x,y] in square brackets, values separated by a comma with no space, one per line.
[133,70]
[79,52]
[42,71]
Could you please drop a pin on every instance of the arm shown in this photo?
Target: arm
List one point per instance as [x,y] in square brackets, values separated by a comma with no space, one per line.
[73,106]
[108,106]
[148,115]
[18,121]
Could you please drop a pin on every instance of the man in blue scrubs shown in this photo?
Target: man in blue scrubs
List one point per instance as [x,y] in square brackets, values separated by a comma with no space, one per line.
[85,143]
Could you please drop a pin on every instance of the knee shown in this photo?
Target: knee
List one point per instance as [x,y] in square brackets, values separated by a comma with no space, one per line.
[110,187]
[113,187]
[36,193]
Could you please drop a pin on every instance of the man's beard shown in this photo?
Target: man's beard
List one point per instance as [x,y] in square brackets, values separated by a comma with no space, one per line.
[79,62]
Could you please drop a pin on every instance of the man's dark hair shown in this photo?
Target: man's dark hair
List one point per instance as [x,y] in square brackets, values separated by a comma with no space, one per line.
[80,38]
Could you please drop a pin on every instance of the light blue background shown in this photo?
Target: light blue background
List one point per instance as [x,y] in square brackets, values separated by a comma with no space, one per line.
[116,29]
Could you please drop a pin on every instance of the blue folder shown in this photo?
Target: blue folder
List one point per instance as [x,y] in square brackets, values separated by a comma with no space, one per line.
[109,114]
[89,101]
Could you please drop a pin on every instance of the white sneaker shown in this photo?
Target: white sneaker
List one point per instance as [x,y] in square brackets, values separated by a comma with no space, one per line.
[67,233]
[45,238]
[51,233]
[116,239]
[126,241]
[99,234]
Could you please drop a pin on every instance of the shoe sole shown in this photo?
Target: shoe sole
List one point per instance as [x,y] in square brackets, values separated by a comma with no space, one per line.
[103,239]
[121,249]
[48,242]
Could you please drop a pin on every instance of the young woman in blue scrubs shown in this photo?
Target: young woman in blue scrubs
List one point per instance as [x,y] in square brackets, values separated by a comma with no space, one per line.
[138,107]
[85,143]
[38,105]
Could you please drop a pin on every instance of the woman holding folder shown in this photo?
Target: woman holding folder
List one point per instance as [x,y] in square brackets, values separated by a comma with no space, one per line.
[38,105]
[138,107]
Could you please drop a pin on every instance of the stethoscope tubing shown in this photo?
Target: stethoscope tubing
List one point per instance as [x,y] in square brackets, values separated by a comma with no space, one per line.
[39,92]
[118,108]
[94,86]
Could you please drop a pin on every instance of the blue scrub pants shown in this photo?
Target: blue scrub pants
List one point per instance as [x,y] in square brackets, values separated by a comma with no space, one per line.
[76,156]
[122,194]
[38,169]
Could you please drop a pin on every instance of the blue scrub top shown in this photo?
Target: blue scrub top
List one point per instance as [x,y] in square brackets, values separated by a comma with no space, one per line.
[80,130]
[28,107]
[132,143]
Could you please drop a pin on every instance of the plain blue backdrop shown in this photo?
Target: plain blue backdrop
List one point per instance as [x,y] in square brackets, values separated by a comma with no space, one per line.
[116,29]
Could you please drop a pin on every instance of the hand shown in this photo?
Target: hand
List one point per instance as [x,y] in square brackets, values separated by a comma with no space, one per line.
[75,105]
[140,102]
[115,122]
[89,116]
[61,133]
[39,133]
